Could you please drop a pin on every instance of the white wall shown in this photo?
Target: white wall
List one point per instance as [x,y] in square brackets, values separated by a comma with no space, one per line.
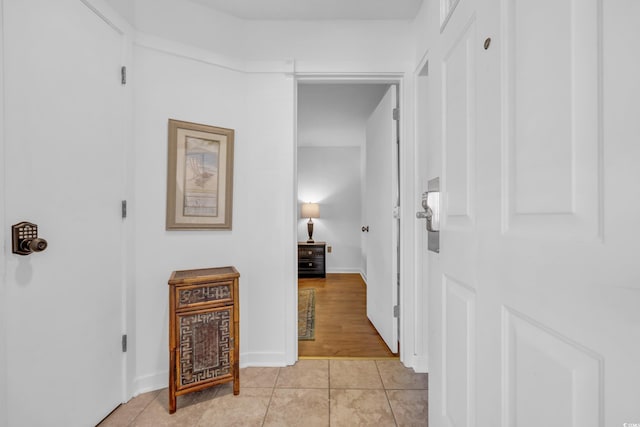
[191,24]
[321,46]
[198,65]
[125,8]
[330,176]
[260,109]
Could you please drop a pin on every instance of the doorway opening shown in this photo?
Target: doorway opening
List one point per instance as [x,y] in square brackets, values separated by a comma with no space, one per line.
[347,164]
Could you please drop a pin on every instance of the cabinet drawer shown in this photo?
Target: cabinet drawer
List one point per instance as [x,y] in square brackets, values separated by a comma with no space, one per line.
[315,265]
[204,293]
[310,252]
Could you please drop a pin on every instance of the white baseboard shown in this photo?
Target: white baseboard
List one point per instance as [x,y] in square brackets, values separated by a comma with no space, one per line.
[418,363]
[343,271]
[160,380]
[348,271]
[151,382]
[263,360]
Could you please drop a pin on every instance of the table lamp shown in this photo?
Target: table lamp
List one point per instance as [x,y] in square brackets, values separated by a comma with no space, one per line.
[310,210]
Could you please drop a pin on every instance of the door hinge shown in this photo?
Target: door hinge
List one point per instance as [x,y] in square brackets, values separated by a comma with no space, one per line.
[123,75]
[396,114]
[396,212]
[124,209]
[396,311]
[124,343]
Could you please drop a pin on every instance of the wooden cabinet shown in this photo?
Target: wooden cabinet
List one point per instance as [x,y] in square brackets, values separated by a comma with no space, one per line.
[311,259]
[204,339]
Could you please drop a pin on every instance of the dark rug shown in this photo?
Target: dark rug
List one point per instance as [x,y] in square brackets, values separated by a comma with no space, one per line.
[306,314]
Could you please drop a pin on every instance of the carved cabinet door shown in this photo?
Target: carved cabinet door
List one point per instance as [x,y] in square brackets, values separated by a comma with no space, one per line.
[205,346]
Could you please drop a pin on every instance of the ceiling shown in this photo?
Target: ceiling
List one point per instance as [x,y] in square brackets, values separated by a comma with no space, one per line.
[316,9]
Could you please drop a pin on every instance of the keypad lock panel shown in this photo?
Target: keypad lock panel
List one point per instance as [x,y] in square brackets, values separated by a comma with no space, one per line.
[25,239]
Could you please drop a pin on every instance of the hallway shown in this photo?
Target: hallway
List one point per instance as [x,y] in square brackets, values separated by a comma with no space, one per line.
[310,393]
[342,328]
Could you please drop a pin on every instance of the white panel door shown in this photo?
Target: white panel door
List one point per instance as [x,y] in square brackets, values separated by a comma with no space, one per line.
[535,318]
[64,172]
[381,197]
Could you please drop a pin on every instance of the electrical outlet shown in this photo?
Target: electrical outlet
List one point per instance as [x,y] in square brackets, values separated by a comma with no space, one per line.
[329,248]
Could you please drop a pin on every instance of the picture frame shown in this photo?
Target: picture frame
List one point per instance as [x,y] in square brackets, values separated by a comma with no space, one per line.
[199,177]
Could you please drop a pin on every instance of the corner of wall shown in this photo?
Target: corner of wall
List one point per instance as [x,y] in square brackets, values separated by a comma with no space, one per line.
[149,383]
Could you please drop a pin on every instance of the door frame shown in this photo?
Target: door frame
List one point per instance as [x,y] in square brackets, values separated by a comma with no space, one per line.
[407,319]
[420,291]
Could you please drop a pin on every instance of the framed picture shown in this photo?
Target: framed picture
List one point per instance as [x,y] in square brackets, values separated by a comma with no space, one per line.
[200,176]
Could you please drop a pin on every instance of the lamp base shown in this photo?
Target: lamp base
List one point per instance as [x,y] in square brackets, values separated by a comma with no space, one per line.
[310,231]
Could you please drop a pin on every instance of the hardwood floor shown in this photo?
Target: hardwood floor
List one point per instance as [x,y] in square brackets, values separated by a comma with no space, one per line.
[342,327]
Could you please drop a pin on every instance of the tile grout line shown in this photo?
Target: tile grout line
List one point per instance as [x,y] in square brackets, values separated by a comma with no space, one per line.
[359,388]
[384,387]
[329,389]
[132,423]
[393,414]
[217,390]
[273,390]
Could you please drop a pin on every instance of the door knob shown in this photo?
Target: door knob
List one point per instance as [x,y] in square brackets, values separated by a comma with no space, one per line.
[428,214]
[431,212]
[25,239]
[431,206]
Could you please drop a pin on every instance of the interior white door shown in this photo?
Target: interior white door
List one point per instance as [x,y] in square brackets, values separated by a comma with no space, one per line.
[535,318]
[65,172]
[381,196]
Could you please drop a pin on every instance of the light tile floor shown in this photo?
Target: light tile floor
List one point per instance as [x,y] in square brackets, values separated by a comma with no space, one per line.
[310,393]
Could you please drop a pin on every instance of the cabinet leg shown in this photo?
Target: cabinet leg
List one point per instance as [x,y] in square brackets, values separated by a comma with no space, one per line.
[236,383]
[172,381]
[172,400]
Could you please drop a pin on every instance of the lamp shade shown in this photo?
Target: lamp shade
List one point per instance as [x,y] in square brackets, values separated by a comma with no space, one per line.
[310,210]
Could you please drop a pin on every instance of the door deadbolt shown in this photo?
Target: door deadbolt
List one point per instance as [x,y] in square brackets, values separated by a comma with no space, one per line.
[25,239]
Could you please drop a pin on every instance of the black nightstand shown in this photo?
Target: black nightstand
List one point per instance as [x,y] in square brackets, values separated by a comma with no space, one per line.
[311,259]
